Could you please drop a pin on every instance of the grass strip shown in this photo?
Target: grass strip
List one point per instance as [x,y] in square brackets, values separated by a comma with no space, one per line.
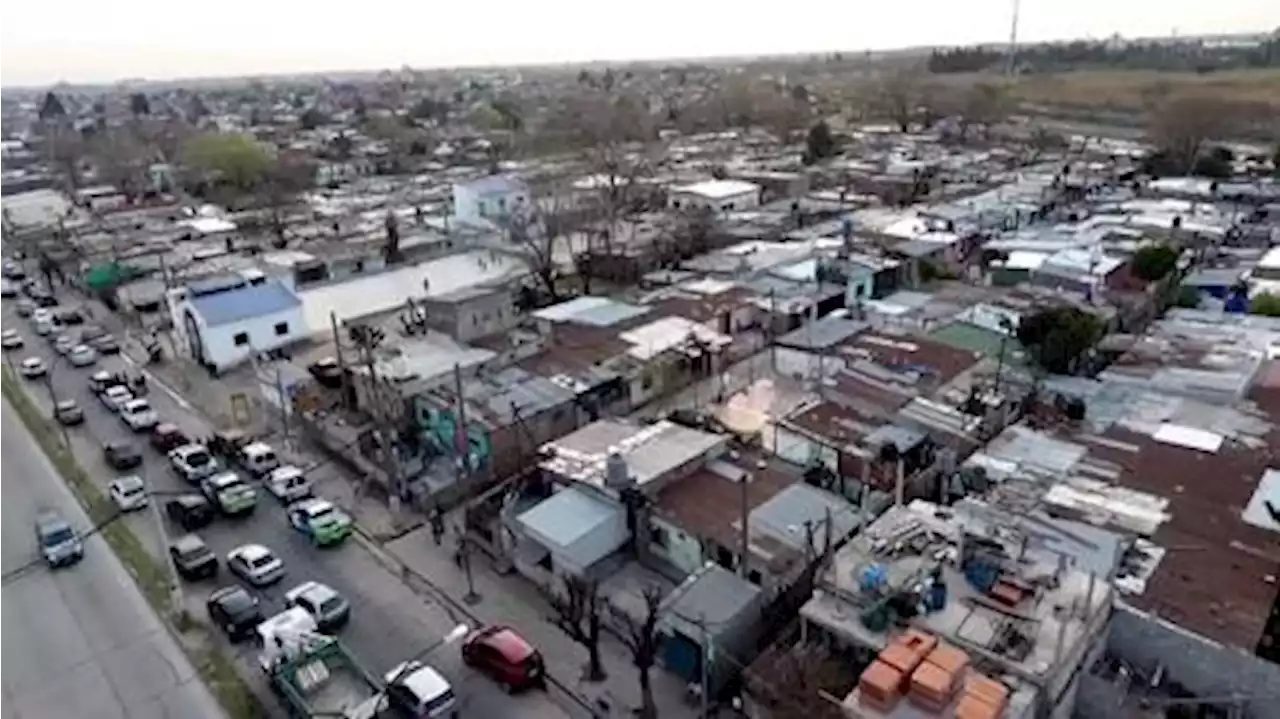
[151,576]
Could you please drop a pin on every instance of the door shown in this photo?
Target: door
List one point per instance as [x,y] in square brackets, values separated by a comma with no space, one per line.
[682,656]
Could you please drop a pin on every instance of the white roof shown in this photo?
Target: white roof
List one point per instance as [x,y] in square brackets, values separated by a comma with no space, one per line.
[718,189]
[1271,259]
[252,551]
[424,681]
[669,333]
[211,225]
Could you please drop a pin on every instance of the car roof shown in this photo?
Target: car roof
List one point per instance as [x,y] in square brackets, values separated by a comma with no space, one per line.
[251,551]
[66,403]
[510,645]
[167,428]
[224,479]
[136,401]
[189,542]
[50,520]
[315,591]
[118,389]
[423,680]
[32,360]
[258,448]
[286,470]
[190,448]
[191,500]
[314,505]
[226,595]
[128,481]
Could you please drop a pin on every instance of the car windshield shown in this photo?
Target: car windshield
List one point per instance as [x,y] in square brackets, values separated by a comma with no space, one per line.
[193,552]
[331,605]
[198,458]
[441,699]
[129,490]
[238,603]
[54,536]
[261,561]
[326,515]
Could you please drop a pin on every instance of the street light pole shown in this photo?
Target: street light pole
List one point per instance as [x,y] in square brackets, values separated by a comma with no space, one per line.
[175,587]
[472,596]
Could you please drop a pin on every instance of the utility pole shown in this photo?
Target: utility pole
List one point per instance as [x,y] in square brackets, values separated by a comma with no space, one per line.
[461,440]
[1011,61]
[746,511]
[175,580]
[338,355]
[706,666]
[773,314]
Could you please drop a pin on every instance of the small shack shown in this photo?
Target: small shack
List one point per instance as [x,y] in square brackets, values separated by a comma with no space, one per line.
[710,621]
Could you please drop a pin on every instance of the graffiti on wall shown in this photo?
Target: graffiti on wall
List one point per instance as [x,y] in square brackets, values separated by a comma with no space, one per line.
[441,428]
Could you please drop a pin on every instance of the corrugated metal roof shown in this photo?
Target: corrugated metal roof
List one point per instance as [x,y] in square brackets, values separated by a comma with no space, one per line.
[713,595]
[253,301]
[784,515]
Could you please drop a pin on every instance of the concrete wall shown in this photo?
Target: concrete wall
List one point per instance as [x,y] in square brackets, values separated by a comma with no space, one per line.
[1202,666]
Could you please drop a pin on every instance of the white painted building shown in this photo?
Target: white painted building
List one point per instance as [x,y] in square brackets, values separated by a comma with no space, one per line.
[482,201]
[219,323]
[715,195]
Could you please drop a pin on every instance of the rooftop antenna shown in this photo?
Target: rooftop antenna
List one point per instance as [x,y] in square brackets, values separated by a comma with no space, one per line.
[1011,60]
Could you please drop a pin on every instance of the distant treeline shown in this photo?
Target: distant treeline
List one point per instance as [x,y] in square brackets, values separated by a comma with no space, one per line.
[1190,56]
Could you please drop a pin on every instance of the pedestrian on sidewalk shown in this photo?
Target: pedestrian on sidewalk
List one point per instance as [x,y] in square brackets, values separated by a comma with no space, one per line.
[436,519]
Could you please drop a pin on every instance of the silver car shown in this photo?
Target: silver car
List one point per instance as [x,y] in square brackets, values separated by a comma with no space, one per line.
[82,356]
[255,564]
[59,543]
[11,340]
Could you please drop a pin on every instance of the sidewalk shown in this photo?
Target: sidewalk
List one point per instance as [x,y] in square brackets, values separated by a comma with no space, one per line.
[513,601]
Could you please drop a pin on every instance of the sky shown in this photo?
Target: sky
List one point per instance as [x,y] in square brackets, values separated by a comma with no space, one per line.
[46,41]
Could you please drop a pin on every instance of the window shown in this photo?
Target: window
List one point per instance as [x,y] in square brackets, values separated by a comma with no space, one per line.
[282,328]
[241,339]
[482,208]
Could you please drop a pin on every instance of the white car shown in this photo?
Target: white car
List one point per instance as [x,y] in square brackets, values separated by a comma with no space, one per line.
[62,344]
[43,328]
[115,397]
[33,367]
[42,314]
[288,484]
[422,690]
[137,413]
[193,462]
[82,356]
[255,564]
[129,493]
[11,340]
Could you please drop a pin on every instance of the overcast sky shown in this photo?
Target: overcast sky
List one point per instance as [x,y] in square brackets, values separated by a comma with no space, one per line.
[44,41]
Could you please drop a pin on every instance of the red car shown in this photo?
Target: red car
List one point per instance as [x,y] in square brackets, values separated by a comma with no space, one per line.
[505,656]
[165,437]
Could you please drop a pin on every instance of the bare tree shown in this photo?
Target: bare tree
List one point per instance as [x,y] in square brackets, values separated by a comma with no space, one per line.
[899,96]
[539,230]
[287,177]
[1183,124]
[642,639]
[578,615]
[983,105]
[121,159]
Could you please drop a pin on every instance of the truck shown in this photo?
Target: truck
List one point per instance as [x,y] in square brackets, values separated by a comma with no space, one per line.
[314,675]
[242,451]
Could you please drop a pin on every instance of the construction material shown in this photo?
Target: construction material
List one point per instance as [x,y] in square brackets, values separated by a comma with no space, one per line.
[880,686]
[934,683]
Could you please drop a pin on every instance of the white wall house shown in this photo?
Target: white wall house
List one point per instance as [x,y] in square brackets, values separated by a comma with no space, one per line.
[715,195]
[482,201]
[220,323]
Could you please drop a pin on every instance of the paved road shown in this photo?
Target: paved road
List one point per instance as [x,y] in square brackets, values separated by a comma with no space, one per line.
[390,622]
[81,641]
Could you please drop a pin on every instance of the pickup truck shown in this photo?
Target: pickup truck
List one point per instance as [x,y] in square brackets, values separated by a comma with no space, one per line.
[314,675]
[193,462]
[230,493]
[138,415]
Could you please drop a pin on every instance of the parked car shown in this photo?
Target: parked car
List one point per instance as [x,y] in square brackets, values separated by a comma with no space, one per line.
[288,484]
[193,462]
[59,543]
[82,356]
[166,437]
[330,609]
[121,455]
[115,397]
[68,412]
[417,690]
[62,344]
[230,493]
[69,317]
[255,564]
[320,521]
[193,558]
[506,657]
[42,327]
[11,340]
[235,611]
[25,307]
[33,368]
[138,415]
[107,345]
[14,271]
[43,298]
[189,511]
[8,289]
[129,493]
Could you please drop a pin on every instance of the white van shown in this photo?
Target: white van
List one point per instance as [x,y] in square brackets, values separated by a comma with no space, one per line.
[259,458]
[288,484]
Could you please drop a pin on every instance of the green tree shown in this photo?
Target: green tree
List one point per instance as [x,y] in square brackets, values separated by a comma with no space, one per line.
[1265,304]
[1153,263]
[1188,297]
[139,104]
[52,108]
[820,144]
[235,160]
[1057,338]
[313,118]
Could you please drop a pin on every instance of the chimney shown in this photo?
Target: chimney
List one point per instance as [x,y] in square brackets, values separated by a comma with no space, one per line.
[617,475]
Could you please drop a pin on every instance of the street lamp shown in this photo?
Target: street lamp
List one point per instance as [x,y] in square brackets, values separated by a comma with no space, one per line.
[464,557]
[175,580]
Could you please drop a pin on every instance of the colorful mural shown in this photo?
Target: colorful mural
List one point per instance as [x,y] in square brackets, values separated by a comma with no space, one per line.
[441,428]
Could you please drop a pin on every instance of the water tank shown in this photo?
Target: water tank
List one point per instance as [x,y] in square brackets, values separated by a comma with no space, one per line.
[873,578]
[616,473]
